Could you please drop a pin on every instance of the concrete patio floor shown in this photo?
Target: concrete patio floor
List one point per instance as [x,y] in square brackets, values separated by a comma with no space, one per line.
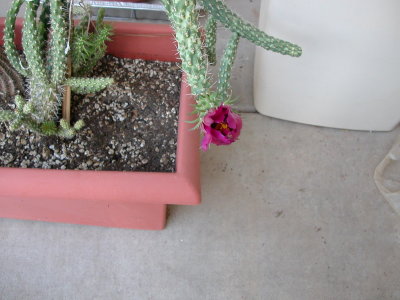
[289,212]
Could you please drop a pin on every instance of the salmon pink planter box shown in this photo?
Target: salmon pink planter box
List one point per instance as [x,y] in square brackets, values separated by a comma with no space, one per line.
[112,198]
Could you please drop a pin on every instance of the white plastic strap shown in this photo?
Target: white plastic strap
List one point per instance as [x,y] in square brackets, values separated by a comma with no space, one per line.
[388,183]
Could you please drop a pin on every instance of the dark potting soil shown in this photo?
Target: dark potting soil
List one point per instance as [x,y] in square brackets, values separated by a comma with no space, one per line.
[130,126]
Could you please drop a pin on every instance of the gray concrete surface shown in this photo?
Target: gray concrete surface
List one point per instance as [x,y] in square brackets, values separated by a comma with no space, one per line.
[289,212]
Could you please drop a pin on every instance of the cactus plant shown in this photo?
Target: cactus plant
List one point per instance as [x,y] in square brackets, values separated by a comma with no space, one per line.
[47,71]
[46,40]
[184,18]
[89,47]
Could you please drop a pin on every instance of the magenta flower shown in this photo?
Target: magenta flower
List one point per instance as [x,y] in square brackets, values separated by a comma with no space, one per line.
[220,126]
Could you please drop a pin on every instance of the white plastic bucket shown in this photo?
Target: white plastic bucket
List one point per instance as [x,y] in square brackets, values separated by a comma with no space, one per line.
[349,73]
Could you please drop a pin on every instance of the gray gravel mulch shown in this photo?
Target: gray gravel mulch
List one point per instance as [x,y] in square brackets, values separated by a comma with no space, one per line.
[130,126]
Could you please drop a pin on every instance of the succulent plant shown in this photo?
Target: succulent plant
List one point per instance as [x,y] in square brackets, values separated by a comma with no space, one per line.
[46,40]
[183,15]
[50,38]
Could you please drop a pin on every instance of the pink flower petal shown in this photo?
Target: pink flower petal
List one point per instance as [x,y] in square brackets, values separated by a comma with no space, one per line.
[220,126]
[205,143]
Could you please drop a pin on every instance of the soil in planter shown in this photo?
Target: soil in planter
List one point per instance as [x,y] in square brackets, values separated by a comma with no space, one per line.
[130,126]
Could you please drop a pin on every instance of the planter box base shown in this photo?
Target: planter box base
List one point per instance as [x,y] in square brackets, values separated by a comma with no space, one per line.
[113,214]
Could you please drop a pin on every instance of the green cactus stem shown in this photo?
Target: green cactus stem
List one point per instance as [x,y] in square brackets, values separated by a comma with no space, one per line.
[6,116]
[88,85]
[68,131]
[223,86]
[211,40]
[58,47]
[21,118]
[232,21]
[184,19]
[31,45]
[9,35]
[43,24]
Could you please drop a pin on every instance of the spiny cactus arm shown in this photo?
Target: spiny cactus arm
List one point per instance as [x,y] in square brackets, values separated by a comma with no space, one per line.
[79,125]
[184,19]
[31,45]
[68,131]
[58,42]
[88,85]
[224,75]
[6,116]
[44,24]
[211,40]
[9,35]
[232,21]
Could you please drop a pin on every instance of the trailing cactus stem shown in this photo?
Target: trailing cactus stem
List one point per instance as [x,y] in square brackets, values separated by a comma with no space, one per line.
[232,21]
[211,40]
[225,70]
[184,19]
[9,35]
[88,85]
